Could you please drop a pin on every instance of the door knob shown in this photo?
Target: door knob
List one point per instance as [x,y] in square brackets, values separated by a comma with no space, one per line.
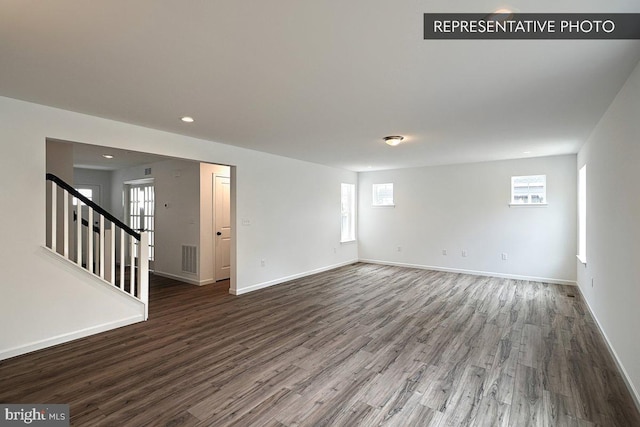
[219,233]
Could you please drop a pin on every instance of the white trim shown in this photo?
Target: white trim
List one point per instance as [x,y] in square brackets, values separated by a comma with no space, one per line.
[474,272]
[581,259]
[188,280]
[280,280]
[528,205]
[140,181]
[625,375]
[70,336]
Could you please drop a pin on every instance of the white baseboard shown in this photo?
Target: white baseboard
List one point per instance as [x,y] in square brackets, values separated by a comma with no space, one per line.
[70,336]
[184,279]
[625,376]
[288,278]
[473,272]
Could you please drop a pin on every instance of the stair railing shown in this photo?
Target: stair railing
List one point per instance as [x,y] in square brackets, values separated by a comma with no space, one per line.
[101,243]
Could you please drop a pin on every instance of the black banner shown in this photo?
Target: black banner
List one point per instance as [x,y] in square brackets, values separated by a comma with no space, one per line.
[531,26]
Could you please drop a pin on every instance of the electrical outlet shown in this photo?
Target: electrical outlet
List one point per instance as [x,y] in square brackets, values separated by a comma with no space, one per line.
[335,251]
[592,282]
[399,248]
[444,252]
[464,252]
[262,263]
[505,256]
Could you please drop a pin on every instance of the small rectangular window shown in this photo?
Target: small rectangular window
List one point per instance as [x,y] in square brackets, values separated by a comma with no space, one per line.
[582,214]
[86,192]
[348,211]
[383,194]
[529,190]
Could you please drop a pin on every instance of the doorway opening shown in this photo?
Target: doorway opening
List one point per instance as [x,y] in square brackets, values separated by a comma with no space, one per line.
[140,207]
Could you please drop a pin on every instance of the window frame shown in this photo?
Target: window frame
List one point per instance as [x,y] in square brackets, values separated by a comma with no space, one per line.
[348,210]
[529,195]
[375,201]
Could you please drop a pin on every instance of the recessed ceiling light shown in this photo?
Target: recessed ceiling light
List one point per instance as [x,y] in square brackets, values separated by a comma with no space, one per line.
[393,140]
[526,152]
[187,119]
[107,156]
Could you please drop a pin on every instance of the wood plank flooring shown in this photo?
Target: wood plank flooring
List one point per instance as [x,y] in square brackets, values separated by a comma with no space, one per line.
[362,345]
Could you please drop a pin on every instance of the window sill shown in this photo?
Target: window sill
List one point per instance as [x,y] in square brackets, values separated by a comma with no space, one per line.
[342,242]
[582,260]
[528,205]
[383,206]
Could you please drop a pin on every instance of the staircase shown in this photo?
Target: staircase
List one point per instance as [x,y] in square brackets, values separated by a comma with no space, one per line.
[100,244]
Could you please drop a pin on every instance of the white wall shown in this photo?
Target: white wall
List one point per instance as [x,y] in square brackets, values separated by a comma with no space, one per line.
[177,217]
[612,155]
[293,208]
[466,207]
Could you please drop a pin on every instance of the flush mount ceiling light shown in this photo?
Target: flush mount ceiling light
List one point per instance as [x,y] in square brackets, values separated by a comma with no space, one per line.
[187,119]
[107,156]
[393,140]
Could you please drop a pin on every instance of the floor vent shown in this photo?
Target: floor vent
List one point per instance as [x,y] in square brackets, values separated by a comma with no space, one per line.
[189,259]
[571,295]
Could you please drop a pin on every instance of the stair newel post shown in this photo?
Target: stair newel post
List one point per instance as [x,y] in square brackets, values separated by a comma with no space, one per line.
[132,269]
[143,271]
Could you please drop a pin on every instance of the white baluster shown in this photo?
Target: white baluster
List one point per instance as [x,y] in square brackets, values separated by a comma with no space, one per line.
[90,240]
[79,233]
[101,243]
[54,216]
[122,265]
[112,257]
[65,221]
[143,271]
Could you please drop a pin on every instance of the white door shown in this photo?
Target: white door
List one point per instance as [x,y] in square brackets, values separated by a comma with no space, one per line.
[222,226]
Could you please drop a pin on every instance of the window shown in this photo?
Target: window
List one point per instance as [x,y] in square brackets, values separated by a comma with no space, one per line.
[86,192]
[383,194]
[348,210]
[529,190]
[582,214]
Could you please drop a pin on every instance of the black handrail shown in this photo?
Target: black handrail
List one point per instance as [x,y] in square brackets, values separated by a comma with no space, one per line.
[75,193]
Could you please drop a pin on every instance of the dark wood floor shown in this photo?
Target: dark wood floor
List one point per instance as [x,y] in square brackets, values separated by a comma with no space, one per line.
[360,345]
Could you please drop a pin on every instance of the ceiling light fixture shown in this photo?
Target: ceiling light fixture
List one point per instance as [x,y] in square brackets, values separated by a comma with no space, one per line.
[187,119]
[500,15]
[393,140]
[107,156]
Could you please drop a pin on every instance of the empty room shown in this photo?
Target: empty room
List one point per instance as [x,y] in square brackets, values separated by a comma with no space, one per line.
[320,213]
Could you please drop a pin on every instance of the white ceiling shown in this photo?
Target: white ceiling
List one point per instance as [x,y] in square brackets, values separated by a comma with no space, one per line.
[321,81]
